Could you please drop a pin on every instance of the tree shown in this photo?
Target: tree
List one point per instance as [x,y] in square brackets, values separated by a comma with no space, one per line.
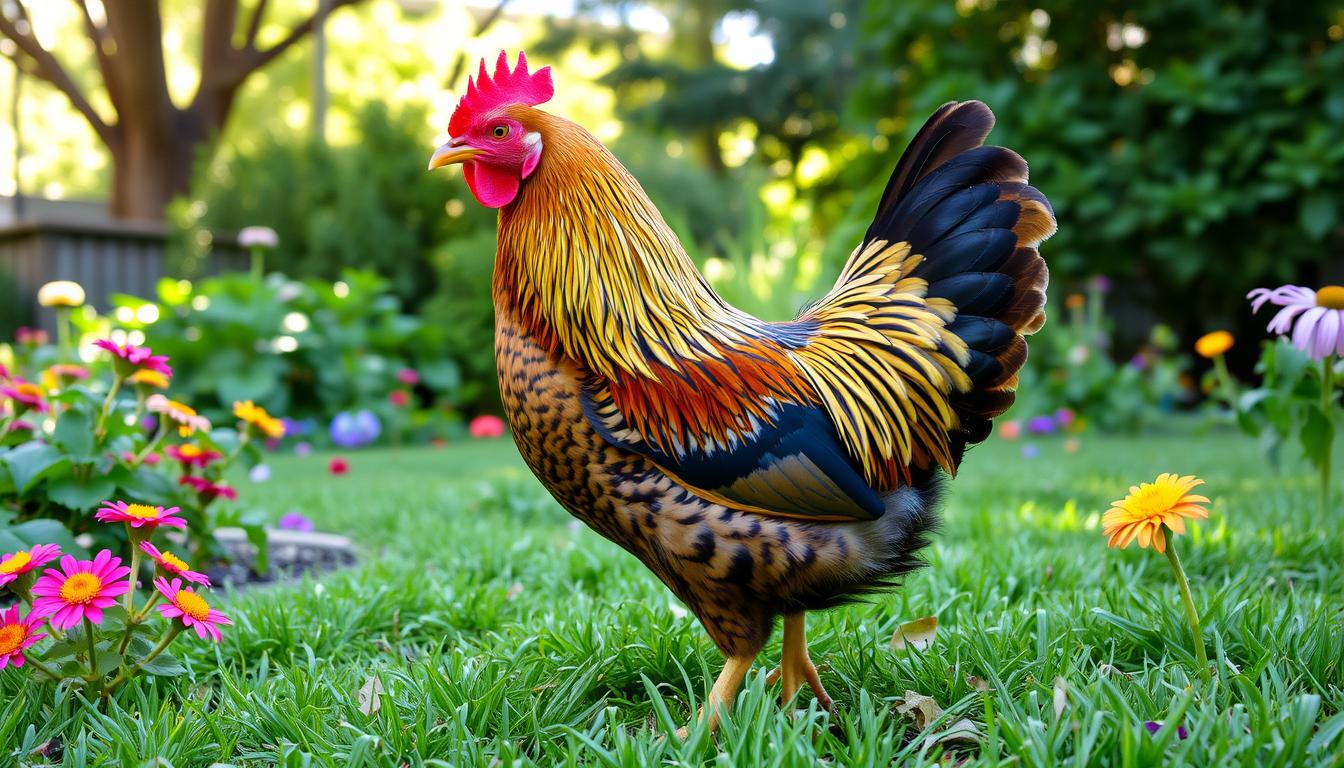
[154,143]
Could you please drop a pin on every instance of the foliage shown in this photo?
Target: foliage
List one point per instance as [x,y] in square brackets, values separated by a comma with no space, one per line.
[79,436]
[1070,366]
[531,638]
[1288,404]
[305,349]
[1192,149]
[369,204]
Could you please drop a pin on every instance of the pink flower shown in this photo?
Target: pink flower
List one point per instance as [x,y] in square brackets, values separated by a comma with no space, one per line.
[16,634]
[139,515]
[80,589]
[188,421]
[129,358]
[192,455]
[408,376]
[1314,318]
[25,396]
[14,565]
[398,398]
[34,337]
[1010,430]
[191,608]
[174,565]
[208,491]
[338,466]
[486,426]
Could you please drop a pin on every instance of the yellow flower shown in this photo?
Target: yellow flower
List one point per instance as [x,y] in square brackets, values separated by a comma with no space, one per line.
[1211,345]
[149,377]
[257,416]
[61,293]
[1151,507]
[1075,301]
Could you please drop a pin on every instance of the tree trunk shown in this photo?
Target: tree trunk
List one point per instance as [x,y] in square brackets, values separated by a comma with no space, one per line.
[149,169]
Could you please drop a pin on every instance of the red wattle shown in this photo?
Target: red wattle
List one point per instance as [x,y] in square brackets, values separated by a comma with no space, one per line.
[492,187]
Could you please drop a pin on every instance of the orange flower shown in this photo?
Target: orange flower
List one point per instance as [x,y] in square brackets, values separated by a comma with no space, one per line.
[1150,509]
[1213,344]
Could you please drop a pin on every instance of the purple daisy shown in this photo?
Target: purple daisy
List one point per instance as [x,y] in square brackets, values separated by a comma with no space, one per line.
[1314,318]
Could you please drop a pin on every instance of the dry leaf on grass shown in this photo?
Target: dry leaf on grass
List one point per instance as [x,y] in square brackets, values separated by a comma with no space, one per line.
[917,634]
[371,696]
[922,710]
[1061,696]
[962,730]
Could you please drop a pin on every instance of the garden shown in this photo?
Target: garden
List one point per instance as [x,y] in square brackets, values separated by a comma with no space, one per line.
[265,507]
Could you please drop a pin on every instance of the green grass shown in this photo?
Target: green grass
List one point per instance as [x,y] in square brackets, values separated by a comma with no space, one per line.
[505,634]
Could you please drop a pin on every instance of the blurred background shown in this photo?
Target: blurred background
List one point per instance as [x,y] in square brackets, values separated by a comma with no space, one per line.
[1193,150]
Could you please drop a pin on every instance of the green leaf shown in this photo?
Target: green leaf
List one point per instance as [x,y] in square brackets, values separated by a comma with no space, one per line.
[108,660]
[1316,436]
[165,665]
[74,433]
[82,495]
[148,486]
[1317,214]
[30,533]
[30,462]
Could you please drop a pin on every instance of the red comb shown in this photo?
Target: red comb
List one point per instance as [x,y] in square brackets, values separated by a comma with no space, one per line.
[486,93]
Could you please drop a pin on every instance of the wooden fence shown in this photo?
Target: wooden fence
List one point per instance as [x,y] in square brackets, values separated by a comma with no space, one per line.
[105,256]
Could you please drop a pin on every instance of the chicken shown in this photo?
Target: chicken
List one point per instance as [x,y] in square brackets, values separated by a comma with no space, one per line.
[758,469]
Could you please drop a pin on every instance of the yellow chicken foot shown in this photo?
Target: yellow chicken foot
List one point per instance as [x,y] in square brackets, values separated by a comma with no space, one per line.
[796,667]
[724,691]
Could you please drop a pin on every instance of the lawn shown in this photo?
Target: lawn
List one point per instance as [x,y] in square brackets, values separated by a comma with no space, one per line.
[503,633]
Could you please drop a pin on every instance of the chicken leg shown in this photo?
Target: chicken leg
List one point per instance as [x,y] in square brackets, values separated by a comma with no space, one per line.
[724,691]
[795,666]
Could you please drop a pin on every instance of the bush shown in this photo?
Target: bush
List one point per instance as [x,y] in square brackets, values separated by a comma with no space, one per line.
[307,349]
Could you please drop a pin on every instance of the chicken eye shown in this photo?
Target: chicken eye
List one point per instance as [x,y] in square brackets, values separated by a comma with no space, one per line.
[501,131]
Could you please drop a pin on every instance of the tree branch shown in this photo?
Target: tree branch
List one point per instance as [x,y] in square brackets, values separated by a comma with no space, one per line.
[460,66]
[98,36]
[258,58]
[254,24]
[49,68]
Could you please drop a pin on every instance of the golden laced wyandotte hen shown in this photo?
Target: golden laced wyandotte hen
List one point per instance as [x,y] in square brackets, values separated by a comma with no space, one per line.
[758,469]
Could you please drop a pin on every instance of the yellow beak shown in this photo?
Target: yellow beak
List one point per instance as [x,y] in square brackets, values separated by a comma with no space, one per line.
[448,154]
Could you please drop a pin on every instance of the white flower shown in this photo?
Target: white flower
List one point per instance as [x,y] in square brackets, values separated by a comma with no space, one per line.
[258,237]
[61,293]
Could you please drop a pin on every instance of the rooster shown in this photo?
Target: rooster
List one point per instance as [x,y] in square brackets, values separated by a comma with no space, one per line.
[759,469]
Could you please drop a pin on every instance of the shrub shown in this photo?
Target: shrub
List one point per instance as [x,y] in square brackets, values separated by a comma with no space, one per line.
[306,349]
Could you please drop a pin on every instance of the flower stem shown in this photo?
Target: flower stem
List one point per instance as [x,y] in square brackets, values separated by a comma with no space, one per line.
[107,405]
[134,575]
[1327,401]
[1201,656]
[137,667]
[40,667]
[1225,381]
[152,445]
[63,332]
[93,650]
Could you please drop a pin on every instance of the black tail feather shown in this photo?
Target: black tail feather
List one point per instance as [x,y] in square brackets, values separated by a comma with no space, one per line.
[969,210]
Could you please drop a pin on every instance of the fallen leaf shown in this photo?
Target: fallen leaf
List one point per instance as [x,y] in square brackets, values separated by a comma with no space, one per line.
[1061,696]
[917,634]
[962,730]
[977,683]
[371,696]
[922,710]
